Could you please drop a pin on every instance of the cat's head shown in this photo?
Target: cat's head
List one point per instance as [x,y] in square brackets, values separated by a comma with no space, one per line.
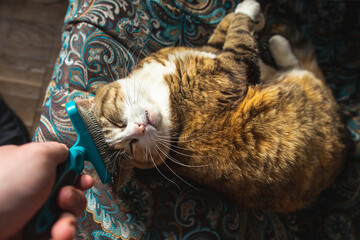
[134,121]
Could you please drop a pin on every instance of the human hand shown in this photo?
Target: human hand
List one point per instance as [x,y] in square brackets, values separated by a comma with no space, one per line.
[27,175]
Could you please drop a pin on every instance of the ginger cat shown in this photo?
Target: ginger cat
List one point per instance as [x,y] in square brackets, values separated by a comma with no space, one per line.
[268,139]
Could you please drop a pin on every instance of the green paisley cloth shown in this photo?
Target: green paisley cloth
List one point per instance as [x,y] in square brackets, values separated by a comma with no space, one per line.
[103,39]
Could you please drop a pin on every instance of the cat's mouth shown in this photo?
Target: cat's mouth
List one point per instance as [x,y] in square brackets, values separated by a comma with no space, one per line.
[145,159]
[139,158]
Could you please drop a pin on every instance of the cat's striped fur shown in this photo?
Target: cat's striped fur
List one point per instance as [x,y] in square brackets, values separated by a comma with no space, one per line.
[272,145]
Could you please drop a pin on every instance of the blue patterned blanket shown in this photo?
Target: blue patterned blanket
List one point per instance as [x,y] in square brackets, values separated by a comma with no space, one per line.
[103,39]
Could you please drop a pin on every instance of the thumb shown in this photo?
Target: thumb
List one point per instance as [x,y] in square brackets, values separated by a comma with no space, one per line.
[51,151]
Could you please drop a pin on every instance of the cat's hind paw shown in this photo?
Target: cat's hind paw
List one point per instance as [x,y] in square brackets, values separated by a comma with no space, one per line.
[281,52]
[250,8]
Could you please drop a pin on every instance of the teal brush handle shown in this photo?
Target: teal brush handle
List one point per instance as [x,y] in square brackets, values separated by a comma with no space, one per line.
[67,173]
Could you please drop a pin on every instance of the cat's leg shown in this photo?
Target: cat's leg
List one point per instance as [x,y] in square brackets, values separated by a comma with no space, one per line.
[284,58]
[242,26]
[251,8]
[281,52]
[217,39]
[301,48]
[240,46]
[302,56]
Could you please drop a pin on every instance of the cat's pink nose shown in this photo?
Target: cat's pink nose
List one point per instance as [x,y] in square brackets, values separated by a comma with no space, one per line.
[139,129]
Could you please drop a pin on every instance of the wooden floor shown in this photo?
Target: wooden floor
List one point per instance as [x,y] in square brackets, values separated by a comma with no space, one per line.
[30,35]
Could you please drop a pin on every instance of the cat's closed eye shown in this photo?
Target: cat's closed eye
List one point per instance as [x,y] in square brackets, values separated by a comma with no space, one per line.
[118,124]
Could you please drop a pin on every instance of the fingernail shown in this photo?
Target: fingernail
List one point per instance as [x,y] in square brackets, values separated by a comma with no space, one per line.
[64,145]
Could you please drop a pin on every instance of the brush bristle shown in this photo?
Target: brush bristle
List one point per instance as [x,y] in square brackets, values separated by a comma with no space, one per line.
[107,154]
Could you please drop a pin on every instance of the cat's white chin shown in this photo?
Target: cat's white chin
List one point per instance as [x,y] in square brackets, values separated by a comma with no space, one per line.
[150,157]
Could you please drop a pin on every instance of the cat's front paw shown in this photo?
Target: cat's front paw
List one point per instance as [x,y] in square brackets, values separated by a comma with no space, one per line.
[250,8]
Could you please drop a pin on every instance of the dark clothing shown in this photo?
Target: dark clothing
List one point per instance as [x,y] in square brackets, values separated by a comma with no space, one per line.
[12,130]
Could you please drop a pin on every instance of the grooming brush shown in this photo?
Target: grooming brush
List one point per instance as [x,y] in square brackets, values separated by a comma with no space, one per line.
[90,146]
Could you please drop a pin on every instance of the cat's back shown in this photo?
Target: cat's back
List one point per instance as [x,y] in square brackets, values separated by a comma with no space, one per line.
[292,124]
[297,105]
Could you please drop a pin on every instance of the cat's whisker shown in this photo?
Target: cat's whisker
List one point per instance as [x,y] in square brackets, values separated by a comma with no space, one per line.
[115,157]
[140,53]
[174,135]
[189,137]
[101,76]
[177,139]
[124,153]
[138,88]
[141,80]
[134,98]
[128,62]
[141,90]
[163,175]
[171,128]
[163,160]
[114,153]
[123,105]
[146,154]
[177,147]
[166,140]
[185,165]
[127,97]
[167,132]
[114,141]
[111,75]
[127,70]
[183,154]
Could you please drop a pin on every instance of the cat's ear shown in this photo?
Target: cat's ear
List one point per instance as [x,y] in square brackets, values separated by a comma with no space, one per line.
[87,104]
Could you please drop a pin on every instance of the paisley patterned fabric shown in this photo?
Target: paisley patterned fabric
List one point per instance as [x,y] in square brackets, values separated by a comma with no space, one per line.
[103,39]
